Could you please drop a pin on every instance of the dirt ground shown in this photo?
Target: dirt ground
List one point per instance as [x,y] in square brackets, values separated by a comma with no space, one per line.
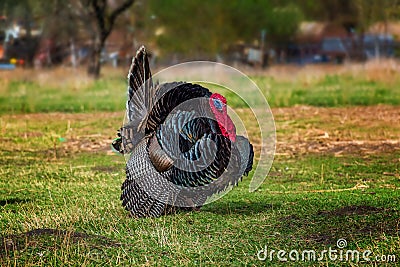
[300,130]
[350,130]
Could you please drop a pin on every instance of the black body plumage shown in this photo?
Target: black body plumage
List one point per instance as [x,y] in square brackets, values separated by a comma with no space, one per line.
[164,138]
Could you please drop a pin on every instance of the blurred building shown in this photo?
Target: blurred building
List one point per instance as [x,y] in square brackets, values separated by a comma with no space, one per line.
[328,42]
[318,41]
[386,28]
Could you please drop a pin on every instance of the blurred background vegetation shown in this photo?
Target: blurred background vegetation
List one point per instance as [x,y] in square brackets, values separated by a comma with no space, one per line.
[92,32]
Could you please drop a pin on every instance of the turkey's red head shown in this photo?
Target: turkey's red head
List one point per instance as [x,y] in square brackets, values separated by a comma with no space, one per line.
[219,109]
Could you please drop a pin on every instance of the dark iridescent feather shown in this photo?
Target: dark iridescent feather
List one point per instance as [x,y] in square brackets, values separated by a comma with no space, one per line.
[163,137]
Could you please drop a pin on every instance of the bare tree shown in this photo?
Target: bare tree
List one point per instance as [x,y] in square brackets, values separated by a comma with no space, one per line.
[104,21]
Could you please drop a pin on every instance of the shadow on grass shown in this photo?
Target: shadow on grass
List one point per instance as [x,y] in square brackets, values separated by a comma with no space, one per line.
[353,223]
[51,239]
[238,207]
[10,201]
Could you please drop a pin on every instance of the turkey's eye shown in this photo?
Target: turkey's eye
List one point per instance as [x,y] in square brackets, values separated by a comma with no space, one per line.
[218,104]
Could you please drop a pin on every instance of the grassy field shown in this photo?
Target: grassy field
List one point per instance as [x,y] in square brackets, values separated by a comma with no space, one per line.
[57,90]
[336,175]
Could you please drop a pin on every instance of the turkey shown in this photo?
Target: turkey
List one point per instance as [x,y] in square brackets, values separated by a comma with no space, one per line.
[182,145]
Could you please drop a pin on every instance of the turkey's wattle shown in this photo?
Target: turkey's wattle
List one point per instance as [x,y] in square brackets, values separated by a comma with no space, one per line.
[179,155]
[219,109]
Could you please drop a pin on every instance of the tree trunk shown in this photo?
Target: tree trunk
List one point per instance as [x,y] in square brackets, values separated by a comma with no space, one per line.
[105,23]
[95,59]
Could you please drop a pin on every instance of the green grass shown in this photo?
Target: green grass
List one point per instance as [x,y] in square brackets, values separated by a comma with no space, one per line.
[60,206]
[331,91]
[60,183]
[108,94]
[30,97]
[80,194]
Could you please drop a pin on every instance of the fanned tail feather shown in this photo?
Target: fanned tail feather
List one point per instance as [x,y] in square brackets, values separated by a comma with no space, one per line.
[140,86]
[140,95]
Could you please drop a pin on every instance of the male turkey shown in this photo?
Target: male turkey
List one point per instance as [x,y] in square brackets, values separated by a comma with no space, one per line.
[182,145]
